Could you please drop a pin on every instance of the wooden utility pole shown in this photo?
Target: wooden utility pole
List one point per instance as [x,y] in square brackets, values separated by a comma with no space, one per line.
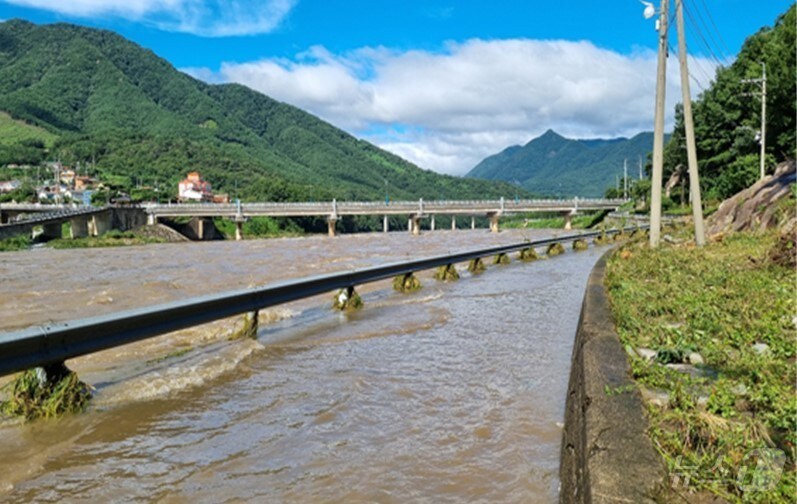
[658,131]
[691,150]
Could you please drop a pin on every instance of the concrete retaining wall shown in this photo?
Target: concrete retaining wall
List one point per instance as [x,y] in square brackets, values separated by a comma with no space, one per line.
[606,455]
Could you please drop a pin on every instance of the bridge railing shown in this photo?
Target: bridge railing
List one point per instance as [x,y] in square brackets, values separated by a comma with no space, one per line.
[43,345]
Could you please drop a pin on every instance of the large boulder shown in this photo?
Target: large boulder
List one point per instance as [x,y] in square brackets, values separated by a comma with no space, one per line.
[759,206]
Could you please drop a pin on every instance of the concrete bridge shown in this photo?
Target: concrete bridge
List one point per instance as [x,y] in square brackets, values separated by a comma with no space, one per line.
[17,219]
[415,210]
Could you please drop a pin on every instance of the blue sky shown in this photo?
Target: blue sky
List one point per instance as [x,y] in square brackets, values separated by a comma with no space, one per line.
[441,83]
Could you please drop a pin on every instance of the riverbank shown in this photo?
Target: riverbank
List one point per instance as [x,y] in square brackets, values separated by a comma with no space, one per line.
[711,337]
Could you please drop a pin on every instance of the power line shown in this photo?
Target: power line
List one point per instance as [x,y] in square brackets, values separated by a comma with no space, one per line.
[706,44]
[713,24]
[691,76]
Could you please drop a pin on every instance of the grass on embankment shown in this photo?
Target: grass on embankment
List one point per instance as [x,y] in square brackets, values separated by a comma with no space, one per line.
[110,239]
[722,301]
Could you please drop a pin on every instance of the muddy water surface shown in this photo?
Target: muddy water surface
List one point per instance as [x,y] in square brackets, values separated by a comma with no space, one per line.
[454,393]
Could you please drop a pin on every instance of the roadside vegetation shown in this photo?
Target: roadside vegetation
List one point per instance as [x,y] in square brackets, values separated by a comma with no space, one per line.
[711,337]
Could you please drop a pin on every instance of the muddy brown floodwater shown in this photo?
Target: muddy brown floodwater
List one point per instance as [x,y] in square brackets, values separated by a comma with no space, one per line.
[454,393]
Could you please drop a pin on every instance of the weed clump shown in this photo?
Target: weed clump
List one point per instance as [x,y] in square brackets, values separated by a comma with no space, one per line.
[603,238]
[446,273]
[406,283]
[40,393]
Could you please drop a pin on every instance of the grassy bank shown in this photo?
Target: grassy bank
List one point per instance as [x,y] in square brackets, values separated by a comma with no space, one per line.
[110,239]
[726,425]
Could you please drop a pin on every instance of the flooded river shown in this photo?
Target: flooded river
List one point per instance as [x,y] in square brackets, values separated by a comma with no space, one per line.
[454,393]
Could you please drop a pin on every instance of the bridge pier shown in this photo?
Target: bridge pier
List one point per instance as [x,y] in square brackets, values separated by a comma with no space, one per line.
[152,219]
[568,219]
[79,227]
[385,224]
[473,222]
[494,217]
[415,225]
[239,230]
[331,221]
[99,224]
[431,225]
[453,223]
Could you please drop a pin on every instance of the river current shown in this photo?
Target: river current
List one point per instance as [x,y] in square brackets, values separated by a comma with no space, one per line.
[455,393]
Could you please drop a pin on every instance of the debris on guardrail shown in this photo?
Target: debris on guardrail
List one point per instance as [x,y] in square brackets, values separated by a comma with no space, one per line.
[347,300]
[580,244]
[476,266]
[554,249]
[502,259]
[446,273]
[406,283]
[528,254]
[46,393]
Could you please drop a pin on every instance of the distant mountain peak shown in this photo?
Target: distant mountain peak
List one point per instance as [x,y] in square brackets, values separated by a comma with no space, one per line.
[553,165]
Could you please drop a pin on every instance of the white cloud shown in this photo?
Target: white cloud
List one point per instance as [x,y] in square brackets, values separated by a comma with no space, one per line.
[450,109]
[211,18]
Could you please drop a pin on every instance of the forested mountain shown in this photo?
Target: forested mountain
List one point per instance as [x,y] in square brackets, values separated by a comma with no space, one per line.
[100,99]
[727,116]
[557,166]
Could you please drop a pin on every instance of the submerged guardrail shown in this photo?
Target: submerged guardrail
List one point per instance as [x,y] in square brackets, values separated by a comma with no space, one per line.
[55,343]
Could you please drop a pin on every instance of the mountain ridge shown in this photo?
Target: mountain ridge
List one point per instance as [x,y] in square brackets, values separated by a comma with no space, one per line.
[554,165]
[136,117]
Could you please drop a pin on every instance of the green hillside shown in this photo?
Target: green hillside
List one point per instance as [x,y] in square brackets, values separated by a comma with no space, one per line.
[107,101]
[727,115]
[554,165]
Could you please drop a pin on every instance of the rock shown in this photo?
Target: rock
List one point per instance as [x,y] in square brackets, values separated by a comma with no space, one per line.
[761,348]
[695,358]
[670,239]
[755,208]
[646,354]
[655,397]
[694,372]
[739,390]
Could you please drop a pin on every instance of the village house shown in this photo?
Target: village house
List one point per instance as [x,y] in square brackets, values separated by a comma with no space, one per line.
[193,188]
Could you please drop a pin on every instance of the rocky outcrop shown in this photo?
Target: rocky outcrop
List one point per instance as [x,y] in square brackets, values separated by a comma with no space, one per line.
[759,206]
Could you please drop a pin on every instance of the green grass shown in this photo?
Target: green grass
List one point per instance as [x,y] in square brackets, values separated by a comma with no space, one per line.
[719,301]
[110,239]
[21,242]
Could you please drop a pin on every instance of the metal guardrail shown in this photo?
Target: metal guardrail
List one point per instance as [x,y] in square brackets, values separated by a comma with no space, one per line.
[42,345]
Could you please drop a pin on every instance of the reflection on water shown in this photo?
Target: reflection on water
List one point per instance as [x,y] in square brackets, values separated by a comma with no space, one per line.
[452,393]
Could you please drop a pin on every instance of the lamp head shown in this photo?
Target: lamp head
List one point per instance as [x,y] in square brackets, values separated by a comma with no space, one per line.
[649,11]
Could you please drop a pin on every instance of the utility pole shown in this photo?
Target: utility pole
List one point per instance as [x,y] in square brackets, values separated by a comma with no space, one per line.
[658,131]
[625,179]
[763,140]
[691,150]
